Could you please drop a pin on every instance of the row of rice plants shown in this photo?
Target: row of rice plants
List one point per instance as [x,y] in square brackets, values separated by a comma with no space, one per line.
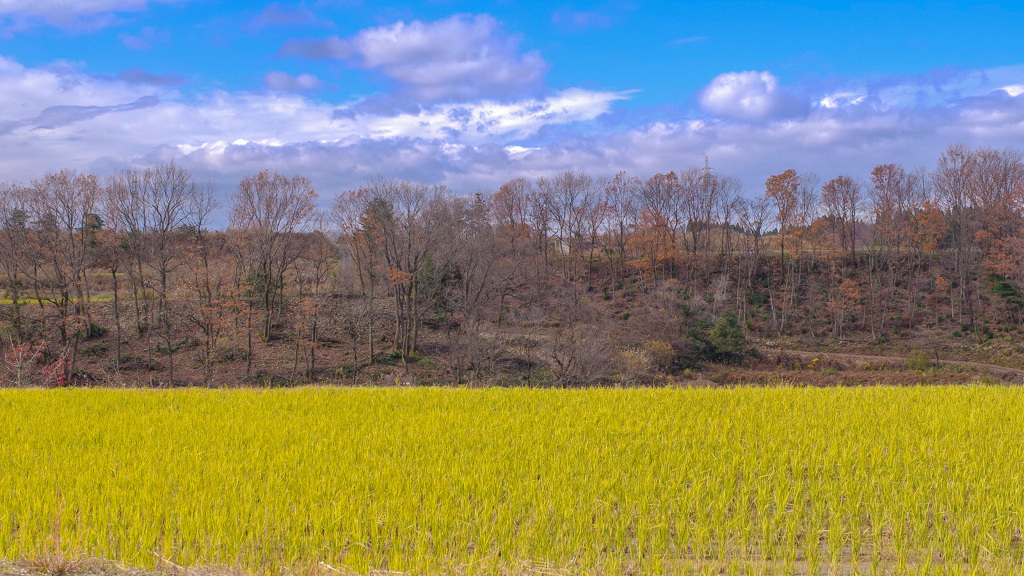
[782,480]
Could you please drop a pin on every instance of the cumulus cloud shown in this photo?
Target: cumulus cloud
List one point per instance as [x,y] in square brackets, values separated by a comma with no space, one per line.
[77,14]
[284,82]
[461,57]
[751,96]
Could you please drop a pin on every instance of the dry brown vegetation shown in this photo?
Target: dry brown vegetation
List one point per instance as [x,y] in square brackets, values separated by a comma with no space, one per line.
[565,281]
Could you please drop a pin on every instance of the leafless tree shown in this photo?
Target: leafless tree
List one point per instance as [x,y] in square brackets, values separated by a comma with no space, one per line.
[954,181]
[15,238]
[269,212]
[155,209]
[622,215]
[64,206]
[405,223]
[841,197]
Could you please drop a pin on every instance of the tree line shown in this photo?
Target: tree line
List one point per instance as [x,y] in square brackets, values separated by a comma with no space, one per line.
[572,279]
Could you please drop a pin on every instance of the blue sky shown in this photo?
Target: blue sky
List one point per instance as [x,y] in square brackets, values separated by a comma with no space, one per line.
[470,94]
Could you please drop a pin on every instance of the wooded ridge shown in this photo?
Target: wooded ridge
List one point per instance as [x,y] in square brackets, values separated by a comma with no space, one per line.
[570,280]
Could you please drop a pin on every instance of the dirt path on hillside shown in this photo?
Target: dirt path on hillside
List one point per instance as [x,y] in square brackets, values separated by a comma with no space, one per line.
[1001,372]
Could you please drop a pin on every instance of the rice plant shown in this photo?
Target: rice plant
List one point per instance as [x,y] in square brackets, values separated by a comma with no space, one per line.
[780,480]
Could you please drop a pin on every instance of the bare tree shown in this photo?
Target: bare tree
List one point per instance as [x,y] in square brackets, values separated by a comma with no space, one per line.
[620,196]
[660,197]
[405,223]
[729,200]
[996,192]
[268,213]
[571,196]
[841,197]
[518,213]
[510,207]
[896,196]
[754,215]
[210,302]
[15,238]
[310,310]
[699,190]
[359,244]
[954,181]
[155,208]
[64,206]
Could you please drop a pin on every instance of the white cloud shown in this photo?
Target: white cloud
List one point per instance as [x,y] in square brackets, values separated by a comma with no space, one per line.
[58,116]
[749,96]
[74,14]
[1013,89]
[25,92]
[519,152]
[461,57]
[284,82]
[483,119]
[840,99]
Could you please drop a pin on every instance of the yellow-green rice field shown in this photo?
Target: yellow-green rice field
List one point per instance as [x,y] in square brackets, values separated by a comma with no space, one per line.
[752,481]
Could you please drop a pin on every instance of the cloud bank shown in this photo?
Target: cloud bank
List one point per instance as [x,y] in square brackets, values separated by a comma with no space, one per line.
[486,116]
